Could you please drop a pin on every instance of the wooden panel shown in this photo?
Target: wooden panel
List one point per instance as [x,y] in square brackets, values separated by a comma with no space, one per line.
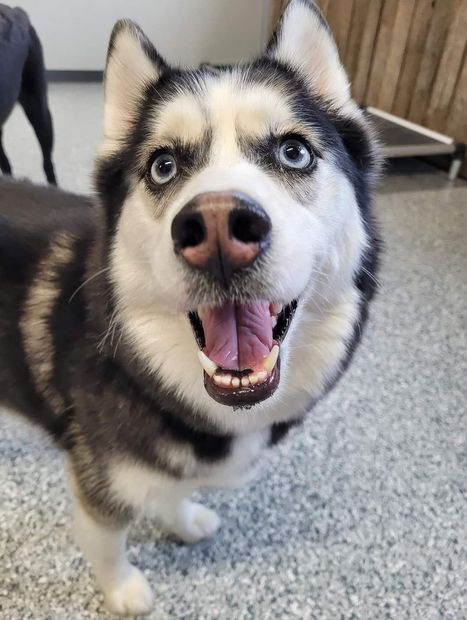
[370,33]
[395,54]
[449,69]
[383,43]
[324,6]
[457,121]
[413,56]
[357,27]
[457,118]
[408,57]
[430,59]
[339,16]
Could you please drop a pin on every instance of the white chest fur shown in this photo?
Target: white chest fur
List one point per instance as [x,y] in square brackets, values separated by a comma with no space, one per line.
[142,487]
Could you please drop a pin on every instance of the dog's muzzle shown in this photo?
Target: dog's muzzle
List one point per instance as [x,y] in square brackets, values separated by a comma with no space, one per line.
[221,234]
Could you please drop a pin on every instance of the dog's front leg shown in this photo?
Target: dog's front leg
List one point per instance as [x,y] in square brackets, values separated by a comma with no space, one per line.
[187,520]
[125,588]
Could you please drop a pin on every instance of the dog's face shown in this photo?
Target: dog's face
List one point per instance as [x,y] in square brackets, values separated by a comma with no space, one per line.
[232,201]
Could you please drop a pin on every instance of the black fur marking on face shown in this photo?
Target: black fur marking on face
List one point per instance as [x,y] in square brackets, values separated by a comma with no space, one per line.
[189,158]
[264,153]
[343,138]
[349,142]
[359,161]
[112,186]
[113,173]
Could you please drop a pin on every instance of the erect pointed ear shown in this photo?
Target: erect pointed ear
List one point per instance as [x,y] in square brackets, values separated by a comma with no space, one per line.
[303,41]
[132,64]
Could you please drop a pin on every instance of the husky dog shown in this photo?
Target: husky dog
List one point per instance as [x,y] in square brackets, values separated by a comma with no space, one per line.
[169,334]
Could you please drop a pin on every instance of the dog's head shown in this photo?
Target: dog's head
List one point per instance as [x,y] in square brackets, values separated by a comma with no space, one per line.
[232,200]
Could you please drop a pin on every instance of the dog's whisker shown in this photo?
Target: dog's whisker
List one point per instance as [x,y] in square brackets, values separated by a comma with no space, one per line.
[95,275]
[108,330]
[372,276]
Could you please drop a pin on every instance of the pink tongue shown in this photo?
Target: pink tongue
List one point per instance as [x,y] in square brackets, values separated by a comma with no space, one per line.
[238,336]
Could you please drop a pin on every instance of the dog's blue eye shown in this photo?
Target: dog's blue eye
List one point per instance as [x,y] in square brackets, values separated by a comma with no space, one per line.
[293,153]
[163,168]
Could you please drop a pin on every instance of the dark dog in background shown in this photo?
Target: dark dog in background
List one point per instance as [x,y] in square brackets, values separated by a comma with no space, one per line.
[22,79]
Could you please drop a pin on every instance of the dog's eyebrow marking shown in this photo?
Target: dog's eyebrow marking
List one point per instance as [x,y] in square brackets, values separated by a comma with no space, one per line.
[181,119]
[240,111]
[260,110]
[38,307]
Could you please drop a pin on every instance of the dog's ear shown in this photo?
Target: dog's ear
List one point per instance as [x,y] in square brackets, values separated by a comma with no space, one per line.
[303,41]
[132,64]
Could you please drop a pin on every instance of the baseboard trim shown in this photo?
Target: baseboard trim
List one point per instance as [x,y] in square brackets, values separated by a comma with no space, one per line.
[74,76]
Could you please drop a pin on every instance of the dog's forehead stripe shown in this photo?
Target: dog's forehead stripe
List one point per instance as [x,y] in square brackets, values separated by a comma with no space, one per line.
[226,107]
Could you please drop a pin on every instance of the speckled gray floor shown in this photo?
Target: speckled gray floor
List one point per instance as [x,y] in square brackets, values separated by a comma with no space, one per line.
[361,514]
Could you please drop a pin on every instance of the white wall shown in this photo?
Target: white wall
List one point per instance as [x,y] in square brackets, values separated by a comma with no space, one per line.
[75,33]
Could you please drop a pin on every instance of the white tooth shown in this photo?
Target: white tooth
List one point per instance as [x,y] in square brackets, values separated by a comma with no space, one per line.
[217,379]
[262,376]
[276,307]
[209,366]
[253,379]
[245,381]
[226,380]
[274,321]
[235,382]
[270,361]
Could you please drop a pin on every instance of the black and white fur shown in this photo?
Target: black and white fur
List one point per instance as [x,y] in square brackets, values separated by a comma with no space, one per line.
[23,80]
[94,300]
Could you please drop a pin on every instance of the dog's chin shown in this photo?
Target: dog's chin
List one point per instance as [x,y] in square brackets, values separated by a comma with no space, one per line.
[253,378]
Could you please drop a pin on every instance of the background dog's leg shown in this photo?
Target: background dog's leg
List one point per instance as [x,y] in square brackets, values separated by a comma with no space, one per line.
[125,588]
[187,520]
[4,163]
[33,98]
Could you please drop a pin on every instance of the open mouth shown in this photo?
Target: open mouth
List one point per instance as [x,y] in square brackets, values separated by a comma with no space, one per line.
[240,349]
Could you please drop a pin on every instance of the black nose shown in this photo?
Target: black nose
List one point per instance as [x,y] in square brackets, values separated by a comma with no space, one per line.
[221,232]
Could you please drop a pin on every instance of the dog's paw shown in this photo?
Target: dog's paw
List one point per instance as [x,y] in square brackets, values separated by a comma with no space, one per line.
[196,523]
[132,597]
